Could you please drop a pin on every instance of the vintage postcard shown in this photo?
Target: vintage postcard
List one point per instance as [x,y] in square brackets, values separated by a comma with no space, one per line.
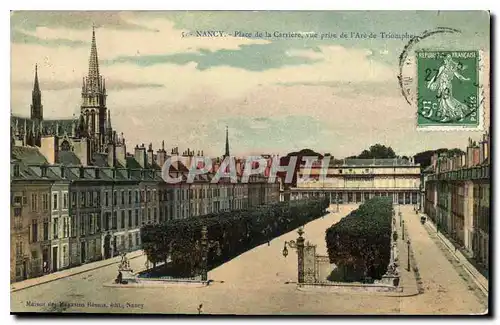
[250,162]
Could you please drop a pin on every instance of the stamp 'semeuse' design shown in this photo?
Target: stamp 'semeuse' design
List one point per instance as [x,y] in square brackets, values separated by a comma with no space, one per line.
[448,89]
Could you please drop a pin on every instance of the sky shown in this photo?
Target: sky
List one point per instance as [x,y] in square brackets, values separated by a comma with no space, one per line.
[275,94]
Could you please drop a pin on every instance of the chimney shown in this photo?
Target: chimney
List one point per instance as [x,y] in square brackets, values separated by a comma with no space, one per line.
[140,155]
[111,155]
[49,147]
[161,157]
[82,151]
[151,159]
[121,154]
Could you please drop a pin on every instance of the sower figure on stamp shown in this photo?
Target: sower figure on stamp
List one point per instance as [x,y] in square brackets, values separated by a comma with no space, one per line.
[449,107]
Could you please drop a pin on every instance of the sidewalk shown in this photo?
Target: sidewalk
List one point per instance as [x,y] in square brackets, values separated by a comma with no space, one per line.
[408,280]
[70,272]
[478,278]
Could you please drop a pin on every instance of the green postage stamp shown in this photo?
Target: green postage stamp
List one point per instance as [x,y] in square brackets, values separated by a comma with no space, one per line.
[448,90]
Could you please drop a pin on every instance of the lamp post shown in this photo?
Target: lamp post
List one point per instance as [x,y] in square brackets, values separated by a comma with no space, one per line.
[400,218]
[403,229]
[299,245]
[408,244]
[205,246]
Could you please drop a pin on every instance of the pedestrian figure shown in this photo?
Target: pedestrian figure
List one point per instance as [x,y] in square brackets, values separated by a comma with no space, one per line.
[200,308]
[119,278]
[45,267]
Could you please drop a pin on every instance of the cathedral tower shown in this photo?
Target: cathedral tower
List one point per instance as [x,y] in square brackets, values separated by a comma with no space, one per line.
[93,108]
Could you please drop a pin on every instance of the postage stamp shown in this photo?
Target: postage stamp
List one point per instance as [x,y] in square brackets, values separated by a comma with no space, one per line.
[448,90]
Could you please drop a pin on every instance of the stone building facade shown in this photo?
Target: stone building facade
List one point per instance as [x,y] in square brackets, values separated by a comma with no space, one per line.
[457,197]
[358,180]
[78,195]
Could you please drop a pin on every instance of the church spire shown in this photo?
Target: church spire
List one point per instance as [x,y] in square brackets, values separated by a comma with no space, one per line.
[226,154]
[36,98]
[93,81]
[36,86]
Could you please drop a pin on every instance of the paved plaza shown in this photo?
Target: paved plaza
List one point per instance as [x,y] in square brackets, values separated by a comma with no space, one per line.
[256,283]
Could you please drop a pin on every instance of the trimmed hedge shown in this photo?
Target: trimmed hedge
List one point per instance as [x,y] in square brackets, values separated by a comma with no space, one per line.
[361,241]
[236,232]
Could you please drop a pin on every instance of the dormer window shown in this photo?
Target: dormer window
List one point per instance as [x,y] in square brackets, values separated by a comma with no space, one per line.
[16,171]
[63,172]
[44,171]
[82,172]
[97,175]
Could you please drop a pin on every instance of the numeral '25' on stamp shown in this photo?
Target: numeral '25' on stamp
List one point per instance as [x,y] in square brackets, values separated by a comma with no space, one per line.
[448,90]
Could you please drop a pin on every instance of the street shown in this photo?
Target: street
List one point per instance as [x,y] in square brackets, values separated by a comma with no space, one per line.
[255,283]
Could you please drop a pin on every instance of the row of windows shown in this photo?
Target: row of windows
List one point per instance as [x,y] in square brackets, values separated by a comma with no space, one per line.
[40,202]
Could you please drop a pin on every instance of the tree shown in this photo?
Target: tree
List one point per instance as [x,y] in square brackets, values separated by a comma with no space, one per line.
[360,242]
[424,158]
[377,151]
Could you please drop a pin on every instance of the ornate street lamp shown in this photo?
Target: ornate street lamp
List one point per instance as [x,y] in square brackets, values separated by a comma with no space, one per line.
[205,246]
[299,245]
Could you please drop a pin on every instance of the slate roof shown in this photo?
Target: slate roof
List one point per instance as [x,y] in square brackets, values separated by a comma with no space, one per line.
[28,155]
[68,158]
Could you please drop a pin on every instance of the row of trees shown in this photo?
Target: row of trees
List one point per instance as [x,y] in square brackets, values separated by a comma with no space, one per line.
[359,244]
[229,233]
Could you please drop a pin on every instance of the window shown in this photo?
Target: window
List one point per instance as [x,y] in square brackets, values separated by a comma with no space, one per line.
[115,198]
[130,218]
[122,221]
[98,199]
[45,229]
[55,201]
[114,220]
[65,200]
[73,199]
[73,226]
[45,202]
[91,198]
[34,202]
[90,224]
[18,200]
[137,217]
[19,248]
[17,212]
[16,170]
[34,231]
[55,228]
[154,215]
[82,199]
[129,197]
[65,227]
[106,198]
[130,245]
[98,222]
[148,196]
[149,215]
[136,196]
[123,197]
[137,238]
